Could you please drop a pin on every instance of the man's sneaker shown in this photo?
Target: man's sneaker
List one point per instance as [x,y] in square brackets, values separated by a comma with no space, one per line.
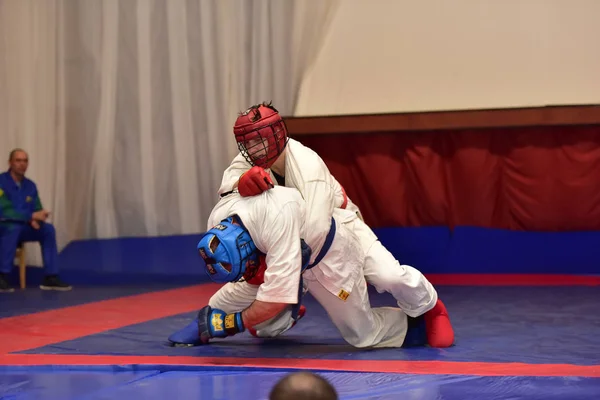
[4,286]
[51,282]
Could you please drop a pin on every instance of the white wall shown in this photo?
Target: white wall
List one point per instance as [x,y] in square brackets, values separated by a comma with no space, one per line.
[385,56]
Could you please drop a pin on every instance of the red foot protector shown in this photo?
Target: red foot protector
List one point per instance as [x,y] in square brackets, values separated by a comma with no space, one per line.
[438,327]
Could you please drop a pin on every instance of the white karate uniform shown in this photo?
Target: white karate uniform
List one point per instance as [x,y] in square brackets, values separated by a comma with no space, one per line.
[307,172]
[275,221]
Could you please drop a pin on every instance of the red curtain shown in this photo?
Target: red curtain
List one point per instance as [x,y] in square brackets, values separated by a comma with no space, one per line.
[544,178]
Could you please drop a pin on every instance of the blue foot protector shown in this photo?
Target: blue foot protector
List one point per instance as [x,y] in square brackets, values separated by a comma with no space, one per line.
[186,337]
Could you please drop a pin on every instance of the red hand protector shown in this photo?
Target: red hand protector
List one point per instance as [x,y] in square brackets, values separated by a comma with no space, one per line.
[254,181]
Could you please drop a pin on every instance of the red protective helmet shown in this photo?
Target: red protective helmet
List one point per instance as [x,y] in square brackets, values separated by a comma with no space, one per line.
[261,134]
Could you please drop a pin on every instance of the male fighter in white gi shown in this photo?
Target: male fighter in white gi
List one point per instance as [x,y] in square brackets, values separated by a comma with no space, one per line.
[268,154]
[243,229]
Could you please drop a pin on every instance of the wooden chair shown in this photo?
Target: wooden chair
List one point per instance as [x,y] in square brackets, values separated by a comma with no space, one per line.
[20,255]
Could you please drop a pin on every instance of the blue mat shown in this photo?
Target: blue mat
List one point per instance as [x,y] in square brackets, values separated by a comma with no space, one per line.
[544,325]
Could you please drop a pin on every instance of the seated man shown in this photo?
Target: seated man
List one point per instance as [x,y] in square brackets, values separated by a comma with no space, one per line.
[272,223]
[23,219]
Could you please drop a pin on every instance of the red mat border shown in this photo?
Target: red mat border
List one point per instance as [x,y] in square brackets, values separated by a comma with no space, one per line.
[31,331]
[385,366]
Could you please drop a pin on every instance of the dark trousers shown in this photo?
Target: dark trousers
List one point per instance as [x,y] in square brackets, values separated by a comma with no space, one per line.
[13,234]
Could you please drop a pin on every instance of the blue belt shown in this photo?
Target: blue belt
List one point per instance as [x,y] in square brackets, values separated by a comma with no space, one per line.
[306,252]
[326,244]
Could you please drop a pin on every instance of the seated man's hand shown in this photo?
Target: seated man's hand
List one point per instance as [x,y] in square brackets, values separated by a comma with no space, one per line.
[40,215]
[34,224]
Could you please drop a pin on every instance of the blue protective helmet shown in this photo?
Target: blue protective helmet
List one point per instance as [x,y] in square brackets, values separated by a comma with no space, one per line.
[227,250]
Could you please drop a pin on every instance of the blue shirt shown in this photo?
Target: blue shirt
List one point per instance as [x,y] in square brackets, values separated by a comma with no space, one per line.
[18,201]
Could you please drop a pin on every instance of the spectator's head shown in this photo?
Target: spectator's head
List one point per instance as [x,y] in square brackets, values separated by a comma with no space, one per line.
[18,162]
[303,386]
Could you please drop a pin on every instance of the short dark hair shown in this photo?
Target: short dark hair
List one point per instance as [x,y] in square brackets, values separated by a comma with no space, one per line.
[268,104]
[303,386]
[12,153]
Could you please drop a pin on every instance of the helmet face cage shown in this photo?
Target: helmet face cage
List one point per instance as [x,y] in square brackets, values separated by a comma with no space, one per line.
[218,269]
[262,146]
[261,137]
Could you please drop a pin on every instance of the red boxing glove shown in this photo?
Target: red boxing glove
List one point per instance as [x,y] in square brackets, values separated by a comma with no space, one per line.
[254,181]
